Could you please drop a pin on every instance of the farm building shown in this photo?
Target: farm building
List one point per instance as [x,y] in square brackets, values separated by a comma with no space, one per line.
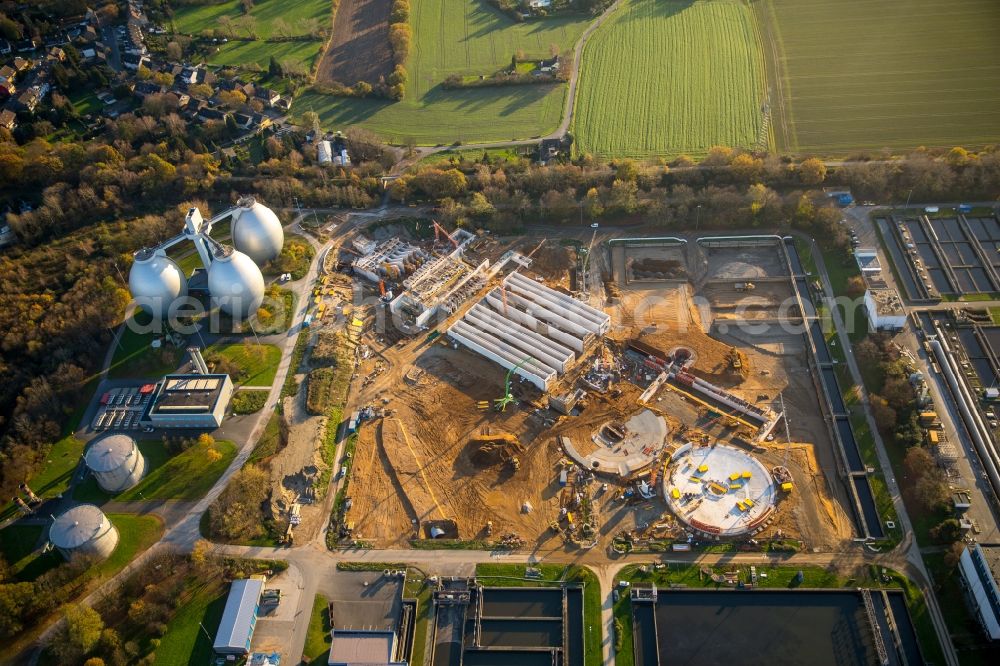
[527,324]
[239,618]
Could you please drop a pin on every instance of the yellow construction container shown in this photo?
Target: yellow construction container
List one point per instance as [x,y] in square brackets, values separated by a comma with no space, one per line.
[734,486]
[747,475]
[676,494]
[928,417]
[695,479]
[786,487]
[740,506]
[734,476]
[933,437]
[702,469]
[748,502]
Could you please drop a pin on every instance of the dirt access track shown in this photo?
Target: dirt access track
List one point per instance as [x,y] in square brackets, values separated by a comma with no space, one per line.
[359,48]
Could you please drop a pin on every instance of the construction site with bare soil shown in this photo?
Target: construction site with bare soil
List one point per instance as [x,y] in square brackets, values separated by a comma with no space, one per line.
[627,394]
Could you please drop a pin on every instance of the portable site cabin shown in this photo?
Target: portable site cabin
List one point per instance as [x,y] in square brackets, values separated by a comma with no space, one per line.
[239,617]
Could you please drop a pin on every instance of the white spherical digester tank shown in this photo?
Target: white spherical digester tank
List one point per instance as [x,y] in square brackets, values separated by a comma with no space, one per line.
[85,531]
[156,282]
[257,231]
[116,462]
[235,282]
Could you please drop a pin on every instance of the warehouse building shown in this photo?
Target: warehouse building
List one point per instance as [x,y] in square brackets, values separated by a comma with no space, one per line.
[239,618]
[190,401]
[980,570]
[528,326]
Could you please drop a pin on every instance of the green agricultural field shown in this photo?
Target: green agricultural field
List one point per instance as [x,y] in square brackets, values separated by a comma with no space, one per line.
[468,37]
[194,19]
[668,78]
[861,74]
[236,53]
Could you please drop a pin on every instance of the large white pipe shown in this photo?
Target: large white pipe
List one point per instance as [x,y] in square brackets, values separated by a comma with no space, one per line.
[550,346]
[517,340]
[534,324]
[975,425]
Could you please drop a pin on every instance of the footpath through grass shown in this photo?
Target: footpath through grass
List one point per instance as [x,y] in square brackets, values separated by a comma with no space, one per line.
[461,38]
[664,77]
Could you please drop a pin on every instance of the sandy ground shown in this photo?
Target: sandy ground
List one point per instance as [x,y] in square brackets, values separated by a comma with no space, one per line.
[416,465]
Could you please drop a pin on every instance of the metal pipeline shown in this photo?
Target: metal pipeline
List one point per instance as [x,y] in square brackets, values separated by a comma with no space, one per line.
[973,421]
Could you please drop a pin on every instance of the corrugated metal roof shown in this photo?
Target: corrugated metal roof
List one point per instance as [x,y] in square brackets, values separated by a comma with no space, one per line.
[239,617]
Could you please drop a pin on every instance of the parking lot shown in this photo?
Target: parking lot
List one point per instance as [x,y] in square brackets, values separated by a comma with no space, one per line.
[122,408]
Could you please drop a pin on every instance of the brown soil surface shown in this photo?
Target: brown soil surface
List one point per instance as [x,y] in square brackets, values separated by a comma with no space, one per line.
[392,483]
[359,48]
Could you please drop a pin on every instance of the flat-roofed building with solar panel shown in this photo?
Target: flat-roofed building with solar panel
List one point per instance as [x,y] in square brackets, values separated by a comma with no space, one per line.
[190,401]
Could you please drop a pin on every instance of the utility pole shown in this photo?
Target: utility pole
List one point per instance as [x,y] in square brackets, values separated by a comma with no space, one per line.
[697,219]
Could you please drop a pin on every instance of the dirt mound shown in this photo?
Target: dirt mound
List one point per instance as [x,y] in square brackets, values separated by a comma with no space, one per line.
[658,268]
[359,48]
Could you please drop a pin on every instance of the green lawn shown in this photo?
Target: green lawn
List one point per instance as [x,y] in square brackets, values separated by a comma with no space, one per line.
[861,74]
[54,476]
[461,38]
[318,635]
[416,587]
[86,103]
[135,359]
[135,534]
[187,262]
[185,476]
[186,641]
[669,77]
[17,545]
[258,363]
[192,18]
[508,575]
[237,53]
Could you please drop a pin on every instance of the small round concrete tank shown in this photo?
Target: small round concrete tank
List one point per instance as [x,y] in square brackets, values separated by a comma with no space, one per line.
[257,231]
[235,282]
[83,531]
[156,282]
[115,462]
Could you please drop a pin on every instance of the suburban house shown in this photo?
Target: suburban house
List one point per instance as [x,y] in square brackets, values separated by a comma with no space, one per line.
[8,119]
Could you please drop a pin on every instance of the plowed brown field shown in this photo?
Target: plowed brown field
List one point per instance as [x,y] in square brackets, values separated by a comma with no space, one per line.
[359,49]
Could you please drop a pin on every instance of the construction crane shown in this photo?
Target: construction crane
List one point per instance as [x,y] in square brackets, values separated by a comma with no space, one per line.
[500,404]
[439,231]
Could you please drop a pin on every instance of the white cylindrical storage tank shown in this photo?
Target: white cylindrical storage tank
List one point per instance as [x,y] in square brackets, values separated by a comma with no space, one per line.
[83,531]
[257,231]
[155,282]
[116,462]
[235,282]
